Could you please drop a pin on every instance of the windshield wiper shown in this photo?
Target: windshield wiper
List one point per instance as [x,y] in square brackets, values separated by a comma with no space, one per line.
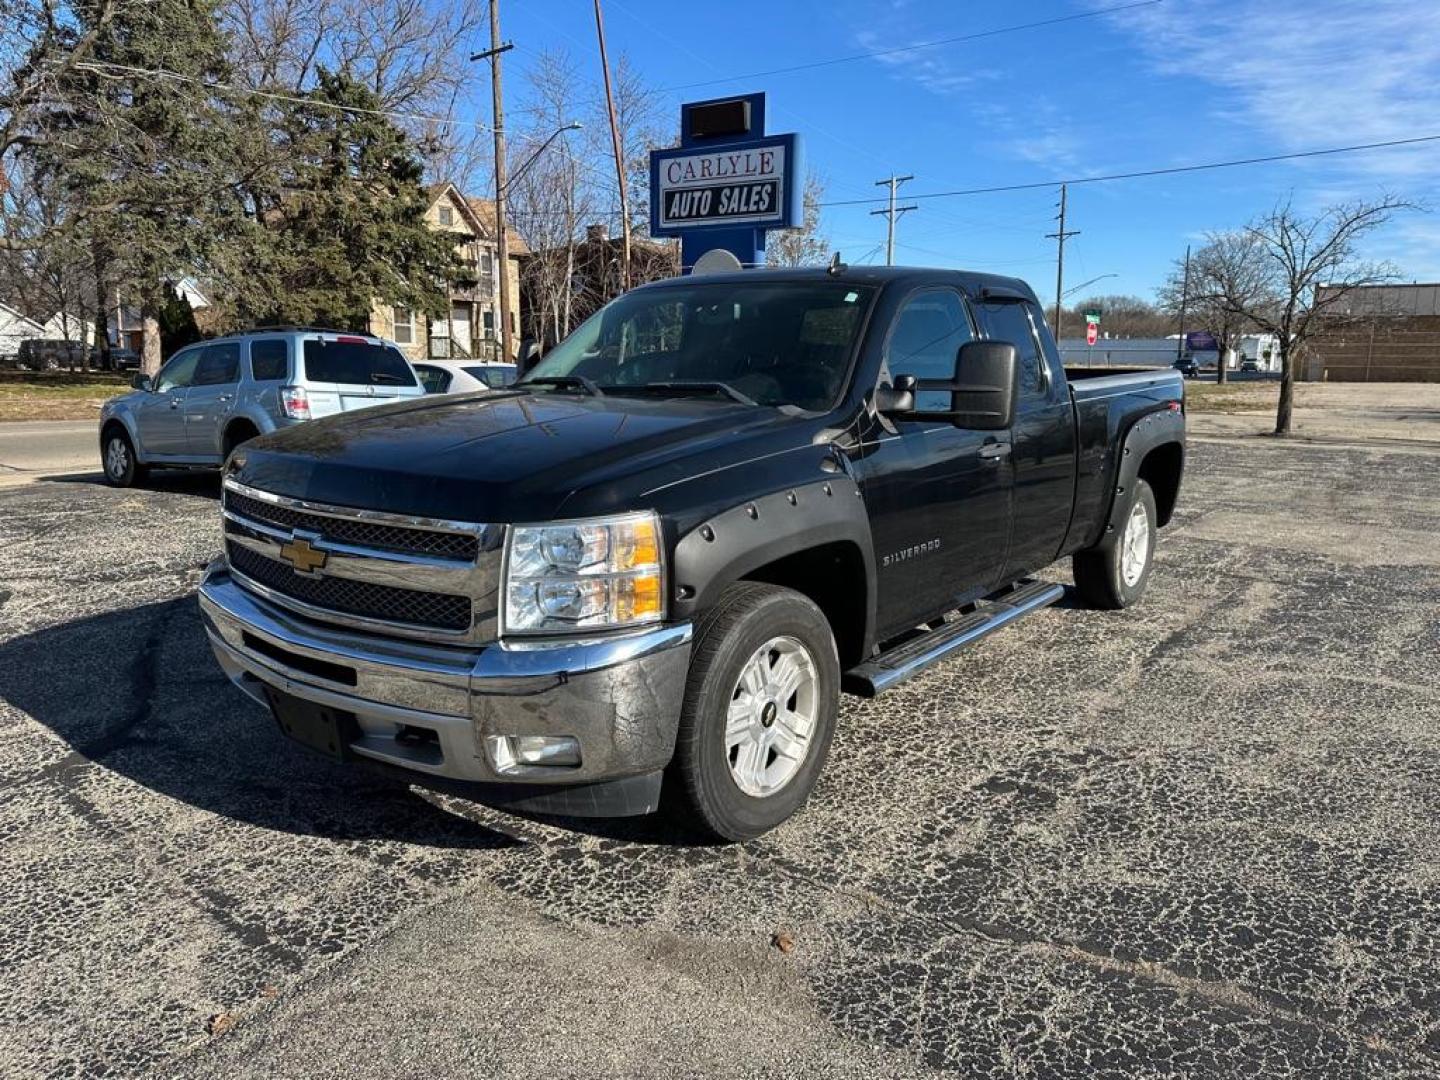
[714,386]
[564,382]
[386,377]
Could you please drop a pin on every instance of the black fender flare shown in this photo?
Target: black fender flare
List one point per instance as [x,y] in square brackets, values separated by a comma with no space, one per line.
[726,546]
[1150,431]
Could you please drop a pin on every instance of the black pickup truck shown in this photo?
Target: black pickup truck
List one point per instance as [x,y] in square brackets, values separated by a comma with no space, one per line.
[651,567]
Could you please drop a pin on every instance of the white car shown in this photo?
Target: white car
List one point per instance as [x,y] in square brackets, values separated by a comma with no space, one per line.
[463,376]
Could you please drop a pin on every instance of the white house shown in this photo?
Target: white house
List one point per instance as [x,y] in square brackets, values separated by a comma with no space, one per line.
[67,326]
[15,328]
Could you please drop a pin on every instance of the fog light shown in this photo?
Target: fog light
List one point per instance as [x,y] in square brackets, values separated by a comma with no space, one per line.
[511,751]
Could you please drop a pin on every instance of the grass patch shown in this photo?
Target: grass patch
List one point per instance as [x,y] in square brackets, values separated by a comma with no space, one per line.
[56,399]
[1246,397]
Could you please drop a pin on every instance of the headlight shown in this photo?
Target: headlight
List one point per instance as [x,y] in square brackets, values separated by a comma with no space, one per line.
[595,574]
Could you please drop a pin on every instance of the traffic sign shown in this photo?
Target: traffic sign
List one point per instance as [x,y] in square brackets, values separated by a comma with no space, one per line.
[1091,333]
[1093,317]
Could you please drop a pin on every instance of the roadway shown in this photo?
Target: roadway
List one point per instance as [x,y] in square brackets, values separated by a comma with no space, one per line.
[32,448]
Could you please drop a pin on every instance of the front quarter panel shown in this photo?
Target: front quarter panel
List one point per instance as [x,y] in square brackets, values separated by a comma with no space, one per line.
[735,542]
[122,410]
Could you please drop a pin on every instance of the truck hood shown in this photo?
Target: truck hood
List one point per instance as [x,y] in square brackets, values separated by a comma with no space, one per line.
[492,457]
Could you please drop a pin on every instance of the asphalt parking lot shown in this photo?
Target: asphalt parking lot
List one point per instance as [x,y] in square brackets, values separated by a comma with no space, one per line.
[1193,839]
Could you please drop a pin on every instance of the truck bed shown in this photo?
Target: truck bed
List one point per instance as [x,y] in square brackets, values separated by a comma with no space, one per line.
[1108,402]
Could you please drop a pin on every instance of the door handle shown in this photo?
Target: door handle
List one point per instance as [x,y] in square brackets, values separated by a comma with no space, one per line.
[174,402]
[223,397]
[995,451]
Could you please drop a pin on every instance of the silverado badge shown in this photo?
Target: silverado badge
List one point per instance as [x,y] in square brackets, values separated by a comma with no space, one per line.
[302,556]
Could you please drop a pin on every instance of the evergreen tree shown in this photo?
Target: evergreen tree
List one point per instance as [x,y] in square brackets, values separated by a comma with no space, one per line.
[344,219]
[150,156]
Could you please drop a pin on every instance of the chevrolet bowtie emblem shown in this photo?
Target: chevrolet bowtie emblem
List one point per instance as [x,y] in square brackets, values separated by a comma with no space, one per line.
[302,556]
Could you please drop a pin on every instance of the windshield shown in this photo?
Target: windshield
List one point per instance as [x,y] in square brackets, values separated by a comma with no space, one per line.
[356,361]
[775,343]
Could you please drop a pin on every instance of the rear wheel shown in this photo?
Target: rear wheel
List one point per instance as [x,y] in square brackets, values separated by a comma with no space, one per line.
[1114,574]
[238,434]
[759,711]
[117,456]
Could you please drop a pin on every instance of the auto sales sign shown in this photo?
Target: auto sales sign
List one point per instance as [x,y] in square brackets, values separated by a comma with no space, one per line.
[737,185]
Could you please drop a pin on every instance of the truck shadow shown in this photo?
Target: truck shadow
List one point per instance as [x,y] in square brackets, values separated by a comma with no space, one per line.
[137,692]
[204,483]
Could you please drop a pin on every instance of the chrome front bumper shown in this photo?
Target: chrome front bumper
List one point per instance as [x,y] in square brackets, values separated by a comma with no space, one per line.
[618,695]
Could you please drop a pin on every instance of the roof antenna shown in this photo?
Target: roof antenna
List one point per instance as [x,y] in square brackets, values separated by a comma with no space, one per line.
[836,266]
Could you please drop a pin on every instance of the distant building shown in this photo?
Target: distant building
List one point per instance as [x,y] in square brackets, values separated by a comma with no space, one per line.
[470,326]
[15,328]
[587,275]
[1123,352]
[1380,333]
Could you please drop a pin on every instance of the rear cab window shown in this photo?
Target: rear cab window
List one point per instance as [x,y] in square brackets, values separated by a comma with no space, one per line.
[356,362]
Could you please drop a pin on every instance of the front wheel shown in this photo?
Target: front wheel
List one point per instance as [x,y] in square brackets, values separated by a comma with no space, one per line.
[118,458]
[1114,574]
[759,711]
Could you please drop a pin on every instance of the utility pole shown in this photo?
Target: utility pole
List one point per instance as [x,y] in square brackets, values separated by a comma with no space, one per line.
[891,213]
[1060,236]
[502,238]
[619,156]
[1184,298]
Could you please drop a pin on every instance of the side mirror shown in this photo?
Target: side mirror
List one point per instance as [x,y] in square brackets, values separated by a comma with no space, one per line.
[141,382]
[982,393]
[529,354]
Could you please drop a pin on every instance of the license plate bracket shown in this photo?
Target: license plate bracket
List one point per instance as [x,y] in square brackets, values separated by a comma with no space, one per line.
[320,728]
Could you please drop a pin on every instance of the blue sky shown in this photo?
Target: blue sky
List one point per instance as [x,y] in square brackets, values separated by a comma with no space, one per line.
[1169,83]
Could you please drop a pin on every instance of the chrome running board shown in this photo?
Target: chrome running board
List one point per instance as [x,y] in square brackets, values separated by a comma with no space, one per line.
[895,665]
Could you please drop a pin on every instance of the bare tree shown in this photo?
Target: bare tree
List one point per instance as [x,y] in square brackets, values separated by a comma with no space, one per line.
[39,49]
[1227,276]
[413,55]
[805,246]
[1297,256]
[1123,316]
[553,198]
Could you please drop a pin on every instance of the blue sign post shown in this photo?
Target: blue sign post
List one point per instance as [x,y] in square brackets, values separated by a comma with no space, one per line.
[727,183]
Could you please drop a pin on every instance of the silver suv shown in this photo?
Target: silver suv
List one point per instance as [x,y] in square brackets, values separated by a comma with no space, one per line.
[215,395]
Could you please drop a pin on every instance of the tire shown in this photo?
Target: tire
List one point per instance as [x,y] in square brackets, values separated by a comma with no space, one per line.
[1102,576]
[117,459]
[709,778]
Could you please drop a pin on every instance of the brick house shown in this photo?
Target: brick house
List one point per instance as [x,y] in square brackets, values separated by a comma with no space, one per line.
[470,326]
[589,272]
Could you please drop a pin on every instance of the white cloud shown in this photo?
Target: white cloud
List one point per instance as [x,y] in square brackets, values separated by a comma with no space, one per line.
[1305,74]
[931,69]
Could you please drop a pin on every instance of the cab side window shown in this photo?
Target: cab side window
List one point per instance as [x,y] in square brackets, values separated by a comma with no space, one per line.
[179,372]
[219,365]
[928,333]
[1011,321]
[269,360]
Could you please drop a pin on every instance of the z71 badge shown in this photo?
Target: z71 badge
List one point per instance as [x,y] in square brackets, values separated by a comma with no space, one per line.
[914,552]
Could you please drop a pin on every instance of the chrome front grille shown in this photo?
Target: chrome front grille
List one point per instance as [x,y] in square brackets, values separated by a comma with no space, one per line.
[442,611]
[408,576]
[365,533]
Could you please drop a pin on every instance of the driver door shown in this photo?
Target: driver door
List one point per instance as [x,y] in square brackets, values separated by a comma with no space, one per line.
[160,416]
[938,495]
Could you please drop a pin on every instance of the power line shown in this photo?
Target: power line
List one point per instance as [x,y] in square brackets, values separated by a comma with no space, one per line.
[1358,147]
[104,68]
[913,48]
